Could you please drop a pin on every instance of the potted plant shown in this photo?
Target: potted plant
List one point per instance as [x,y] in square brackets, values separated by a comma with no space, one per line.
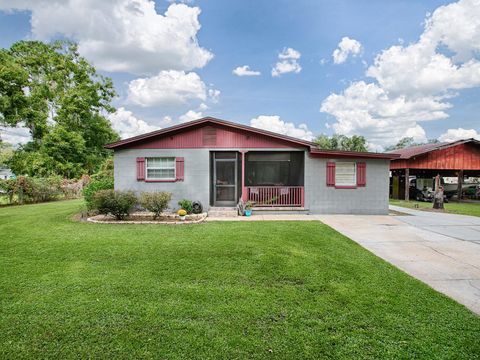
[248,208]
[182,213]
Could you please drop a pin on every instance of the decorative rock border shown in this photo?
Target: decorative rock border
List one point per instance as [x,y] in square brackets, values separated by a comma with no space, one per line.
[190,219]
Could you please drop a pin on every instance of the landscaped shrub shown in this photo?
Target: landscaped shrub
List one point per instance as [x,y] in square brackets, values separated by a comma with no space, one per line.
[116,203]
[45,189]
[96,185]
[7,187]
[186,205]
[24,189]
[155,202]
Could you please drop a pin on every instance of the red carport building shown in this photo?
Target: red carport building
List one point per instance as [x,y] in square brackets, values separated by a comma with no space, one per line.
[455,159]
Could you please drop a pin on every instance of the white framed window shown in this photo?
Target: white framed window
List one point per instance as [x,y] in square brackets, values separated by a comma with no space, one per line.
[160,168]
[345,174]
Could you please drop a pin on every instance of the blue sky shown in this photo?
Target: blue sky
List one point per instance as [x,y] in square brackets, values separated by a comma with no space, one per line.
[172,78]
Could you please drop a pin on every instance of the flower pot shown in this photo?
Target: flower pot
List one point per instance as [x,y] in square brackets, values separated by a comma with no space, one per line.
[248,212]
[182,218]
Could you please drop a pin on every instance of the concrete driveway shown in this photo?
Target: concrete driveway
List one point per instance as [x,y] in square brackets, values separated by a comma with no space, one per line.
[442,250]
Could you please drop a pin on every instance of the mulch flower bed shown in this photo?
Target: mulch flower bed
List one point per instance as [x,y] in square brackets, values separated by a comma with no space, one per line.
[147,218]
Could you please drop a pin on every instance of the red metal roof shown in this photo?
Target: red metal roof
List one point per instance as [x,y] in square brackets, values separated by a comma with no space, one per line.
[454,156]
[413,151]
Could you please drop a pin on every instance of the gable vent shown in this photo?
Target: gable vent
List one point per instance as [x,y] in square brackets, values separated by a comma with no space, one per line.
[209,135]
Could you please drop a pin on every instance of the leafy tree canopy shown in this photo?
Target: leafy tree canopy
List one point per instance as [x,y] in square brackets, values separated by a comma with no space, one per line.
[60,98]
[341,142]
[408,142]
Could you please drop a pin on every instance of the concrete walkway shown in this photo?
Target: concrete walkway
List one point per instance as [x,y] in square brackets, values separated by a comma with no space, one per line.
[270,217]
[442,250]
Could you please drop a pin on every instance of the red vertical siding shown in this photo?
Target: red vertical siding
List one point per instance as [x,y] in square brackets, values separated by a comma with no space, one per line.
[213,137]
[460,157]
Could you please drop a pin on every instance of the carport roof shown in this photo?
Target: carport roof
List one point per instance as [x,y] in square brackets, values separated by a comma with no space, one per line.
[413,151]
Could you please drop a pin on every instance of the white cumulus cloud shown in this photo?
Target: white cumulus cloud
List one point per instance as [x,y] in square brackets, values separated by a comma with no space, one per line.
[288,62]
[121,35]
[245,71]
[413,83]
[346,47]
[167,88]
[275,124]
[190,115]
[128,125]
[459,134]
[214,95]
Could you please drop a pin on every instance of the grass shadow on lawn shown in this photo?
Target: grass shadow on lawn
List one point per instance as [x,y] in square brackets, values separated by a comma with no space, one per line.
[216,290]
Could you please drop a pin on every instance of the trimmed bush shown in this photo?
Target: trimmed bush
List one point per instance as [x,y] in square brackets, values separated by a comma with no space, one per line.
[116,203]
[96,185]
[186,205]
[155,202]
[46,189]
[7,187]
[26,189]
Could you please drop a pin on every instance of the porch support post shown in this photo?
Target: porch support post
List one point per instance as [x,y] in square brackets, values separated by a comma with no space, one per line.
[244,189]
[407,184]
[460,184]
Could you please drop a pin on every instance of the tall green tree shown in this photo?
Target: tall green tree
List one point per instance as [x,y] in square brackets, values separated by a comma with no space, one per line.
[55,93]
[341,142]
[408,142]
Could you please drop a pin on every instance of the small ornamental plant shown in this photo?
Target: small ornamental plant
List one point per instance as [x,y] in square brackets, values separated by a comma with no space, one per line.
[182,213]
[248,205]
[186,205]
[248,208]
[156,202]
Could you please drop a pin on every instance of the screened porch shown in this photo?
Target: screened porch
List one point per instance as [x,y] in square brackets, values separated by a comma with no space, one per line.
[274,179]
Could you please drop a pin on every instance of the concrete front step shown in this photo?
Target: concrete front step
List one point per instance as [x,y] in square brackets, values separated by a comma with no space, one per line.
[279,210]
[223,212]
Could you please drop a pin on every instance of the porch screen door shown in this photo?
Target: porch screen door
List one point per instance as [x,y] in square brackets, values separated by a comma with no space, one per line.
[225,179]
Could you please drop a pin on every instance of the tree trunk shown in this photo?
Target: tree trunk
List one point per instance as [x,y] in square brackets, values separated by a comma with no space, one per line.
[460,184]
[438,197]
[407,184]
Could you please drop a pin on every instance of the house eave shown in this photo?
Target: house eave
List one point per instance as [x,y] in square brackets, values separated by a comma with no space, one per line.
[352,154]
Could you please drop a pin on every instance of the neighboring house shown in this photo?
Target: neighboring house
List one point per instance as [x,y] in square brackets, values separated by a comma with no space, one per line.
[218,162]
[458,159]
[6,174]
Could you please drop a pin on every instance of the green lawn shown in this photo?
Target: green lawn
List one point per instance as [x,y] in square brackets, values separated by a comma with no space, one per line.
[472,209]
[235,290]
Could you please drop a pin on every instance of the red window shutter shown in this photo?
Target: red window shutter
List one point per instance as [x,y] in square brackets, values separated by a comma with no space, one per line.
[180,168]
[140,169]
[361,174]
[330,173]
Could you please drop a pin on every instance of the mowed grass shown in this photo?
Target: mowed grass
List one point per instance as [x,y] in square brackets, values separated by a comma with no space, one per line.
[472,209]
[227,290]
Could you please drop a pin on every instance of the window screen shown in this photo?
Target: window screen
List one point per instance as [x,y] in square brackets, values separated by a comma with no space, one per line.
[345,174]
[161,168]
